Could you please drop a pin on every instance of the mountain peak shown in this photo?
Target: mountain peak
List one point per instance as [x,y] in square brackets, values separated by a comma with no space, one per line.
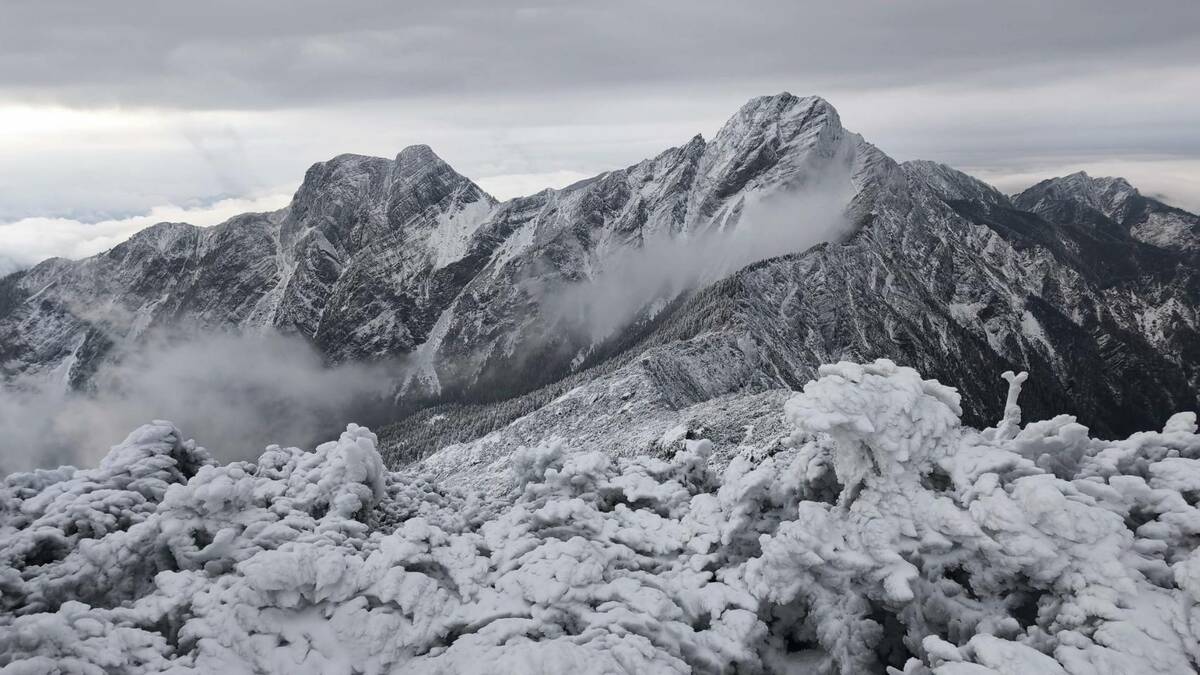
[786,107]
[771,141]
[421,160]
[1108,195]
[1082,185]
[1082,181]
[419,153]
[344,169]
[784,100]
[781,121]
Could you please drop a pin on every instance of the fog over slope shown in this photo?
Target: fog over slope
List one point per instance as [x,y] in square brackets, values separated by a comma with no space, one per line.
[245,391]
[663,267]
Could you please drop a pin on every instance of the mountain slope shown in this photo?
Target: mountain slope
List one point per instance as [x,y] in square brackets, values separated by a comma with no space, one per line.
[686,282]
[957,287]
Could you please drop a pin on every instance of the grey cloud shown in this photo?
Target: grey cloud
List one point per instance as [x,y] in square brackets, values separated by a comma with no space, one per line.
[225,54]
[9,264]
[233,98]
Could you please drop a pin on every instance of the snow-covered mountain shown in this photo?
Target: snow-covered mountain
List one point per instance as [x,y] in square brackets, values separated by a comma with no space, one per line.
[959,287]
[355,263]
[1087,284]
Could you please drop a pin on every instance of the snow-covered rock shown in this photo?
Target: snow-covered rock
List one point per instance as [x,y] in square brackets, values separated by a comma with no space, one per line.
[952,184]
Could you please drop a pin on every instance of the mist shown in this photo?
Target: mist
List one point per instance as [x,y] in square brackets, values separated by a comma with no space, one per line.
[234,393]
[646,278]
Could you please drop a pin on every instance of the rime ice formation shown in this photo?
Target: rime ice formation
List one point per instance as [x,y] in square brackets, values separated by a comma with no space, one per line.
[880,535]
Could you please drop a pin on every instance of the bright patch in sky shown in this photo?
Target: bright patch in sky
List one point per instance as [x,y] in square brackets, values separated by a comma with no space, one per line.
[30,240]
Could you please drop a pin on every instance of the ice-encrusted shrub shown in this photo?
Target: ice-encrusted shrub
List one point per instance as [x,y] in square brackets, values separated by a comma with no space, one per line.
[885,535]
[63,526]
[1002,564]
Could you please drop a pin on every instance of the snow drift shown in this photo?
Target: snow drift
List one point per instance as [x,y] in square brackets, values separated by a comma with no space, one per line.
[881,536]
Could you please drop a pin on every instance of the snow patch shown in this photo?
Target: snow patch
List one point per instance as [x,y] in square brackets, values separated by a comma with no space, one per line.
[453,231]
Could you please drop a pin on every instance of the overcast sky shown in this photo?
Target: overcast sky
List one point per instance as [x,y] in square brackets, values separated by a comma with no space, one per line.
[116,115]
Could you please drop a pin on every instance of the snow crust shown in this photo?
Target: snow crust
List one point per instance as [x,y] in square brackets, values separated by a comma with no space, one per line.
[882,535]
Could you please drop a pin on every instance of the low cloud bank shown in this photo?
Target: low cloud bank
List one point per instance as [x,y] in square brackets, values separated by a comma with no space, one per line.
[234,393]
[28,241]
[635,279]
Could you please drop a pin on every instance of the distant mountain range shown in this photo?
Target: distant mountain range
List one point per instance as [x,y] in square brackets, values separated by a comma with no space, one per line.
[708,279]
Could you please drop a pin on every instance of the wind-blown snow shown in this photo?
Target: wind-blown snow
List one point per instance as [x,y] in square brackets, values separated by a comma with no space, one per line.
[882,534]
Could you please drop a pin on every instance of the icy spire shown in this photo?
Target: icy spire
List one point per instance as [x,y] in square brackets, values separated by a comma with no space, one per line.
[1010,424]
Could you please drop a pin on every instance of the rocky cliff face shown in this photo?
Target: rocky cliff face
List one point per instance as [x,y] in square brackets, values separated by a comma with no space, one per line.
[942,271]
[1083,281]
[362,262]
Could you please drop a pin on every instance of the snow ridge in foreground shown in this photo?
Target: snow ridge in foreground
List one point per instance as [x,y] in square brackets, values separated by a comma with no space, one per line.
[884,536]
